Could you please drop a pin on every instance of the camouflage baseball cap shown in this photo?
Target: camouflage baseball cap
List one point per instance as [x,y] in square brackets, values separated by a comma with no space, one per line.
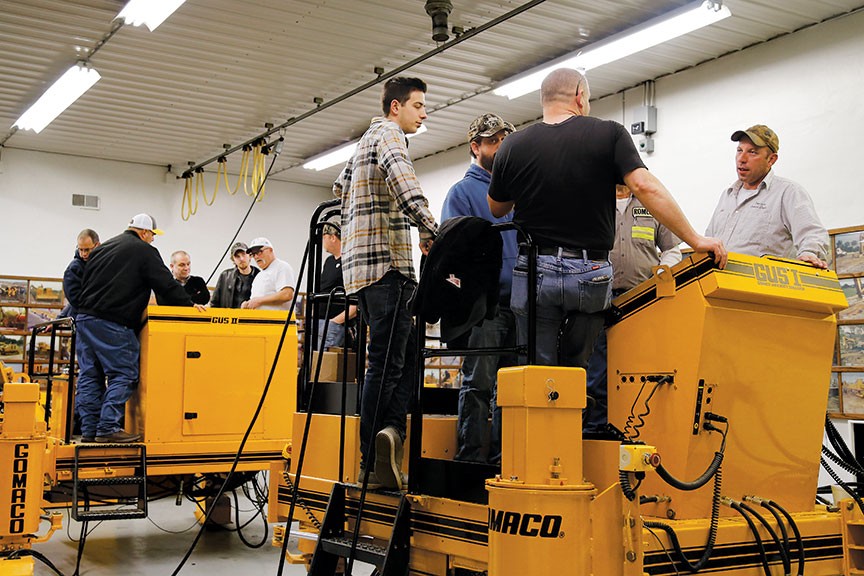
[760,135]
[488,125]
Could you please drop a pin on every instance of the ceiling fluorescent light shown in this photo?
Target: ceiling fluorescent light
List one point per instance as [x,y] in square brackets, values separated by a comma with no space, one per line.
[342,154]
[149,12]
[66,90]
[646,35]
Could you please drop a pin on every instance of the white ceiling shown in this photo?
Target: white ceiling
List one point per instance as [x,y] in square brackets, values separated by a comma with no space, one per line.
[217,70]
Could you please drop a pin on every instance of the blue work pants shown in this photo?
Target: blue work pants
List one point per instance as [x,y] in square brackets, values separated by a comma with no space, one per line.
[107,373]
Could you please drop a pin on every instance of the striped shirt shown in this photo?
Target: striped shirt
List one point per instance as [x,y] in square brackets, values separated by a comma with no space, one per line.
[381,197]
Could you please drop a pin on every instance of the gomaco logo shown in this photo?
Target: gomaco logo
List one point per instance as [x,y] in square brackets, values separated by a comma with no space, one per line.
[19,489]
[531,525]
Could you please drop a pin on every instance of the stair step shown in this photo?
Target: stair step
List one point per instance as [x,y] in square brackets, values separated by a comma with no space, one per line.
[113,481]
[110,514]
[365,551]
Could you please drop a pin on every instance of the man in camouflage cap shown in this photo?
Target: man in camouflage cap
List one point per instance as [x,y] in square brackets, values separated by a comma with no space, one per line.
[762,213]
[479,373]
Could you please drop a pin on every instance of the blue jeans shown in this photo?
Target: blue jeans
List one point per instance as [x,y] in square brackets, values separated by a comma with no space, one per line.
[479,388]
[595,417]
[573,289]
[380,304]
[335,334]
[108,351]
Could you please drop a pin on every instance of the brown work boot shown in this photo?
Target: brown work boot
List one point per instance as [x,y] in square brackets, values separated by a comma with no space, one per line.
[119,437]
[388,458]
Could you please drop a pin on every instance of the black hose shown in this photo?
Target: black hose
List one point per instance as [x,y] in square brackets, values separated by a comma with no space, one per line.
[699,482]
[767,569]
[782,526]
[784,556]
[712,530]
[842,484]
[626,487]
[794,526]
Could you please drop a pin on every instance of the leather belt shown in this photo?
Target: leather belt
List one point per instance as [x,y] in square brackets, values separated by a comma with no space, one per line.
[580,253]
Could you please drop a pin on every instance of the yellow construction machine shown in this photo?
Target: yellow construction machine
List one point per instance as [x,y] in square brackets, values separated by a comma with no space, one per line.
[718,385]
[201,379]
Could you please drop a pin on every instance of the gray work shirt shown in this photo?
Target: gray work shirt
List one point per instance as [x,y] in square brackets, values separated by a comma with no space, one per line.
[778,218]
[638,237]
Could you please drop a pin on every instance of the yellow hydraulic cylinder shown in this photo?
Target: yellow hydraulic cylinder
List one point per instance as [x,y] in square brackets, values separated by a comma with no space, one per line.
[22,445]
[539,507]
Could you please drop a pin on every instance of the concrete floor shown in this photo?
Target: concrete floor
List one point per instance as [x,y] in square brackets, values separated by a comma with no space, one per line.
[154,546]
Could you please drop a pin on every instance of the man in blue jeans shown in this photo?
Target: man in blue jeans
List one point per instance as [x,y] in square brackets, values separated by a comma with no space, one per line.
[477,395]
[560,175]
[381,197]
[115,291]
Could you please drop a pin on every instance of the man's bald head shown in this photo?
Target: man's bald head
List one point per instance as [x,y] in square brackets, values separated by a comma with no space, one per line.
[561,86]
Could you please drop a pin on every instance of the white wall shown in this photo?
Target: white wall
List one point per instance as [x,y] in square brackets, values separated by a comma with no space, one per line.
[40,224]
[806,86]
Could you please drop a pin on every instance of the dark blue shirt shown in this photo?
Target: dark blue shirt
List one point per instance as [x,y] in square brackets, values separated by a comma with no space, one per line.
[468,198]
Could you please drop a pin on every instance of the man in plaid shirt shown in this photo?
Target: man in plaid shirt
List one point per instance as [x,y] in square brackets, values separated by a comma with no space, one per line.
[381,198]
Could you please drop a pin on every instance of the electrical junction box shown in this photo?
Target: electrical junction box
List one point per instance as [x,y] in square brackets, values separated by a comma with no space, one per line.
[644,120]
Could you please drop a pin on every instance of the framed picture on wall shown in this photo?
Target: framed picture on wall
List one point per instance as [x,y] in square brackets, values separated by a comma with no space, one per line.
[11,348]
[46,292]
[39,315]
[851,345]
[853,392]
[849,252]
[853,289]
[12,318]
[13,291]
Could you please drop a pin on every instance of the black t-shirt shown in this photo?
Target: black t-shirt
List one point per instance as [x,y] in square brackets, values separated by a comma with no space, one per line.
[562,179]
[243,289]
[331,277]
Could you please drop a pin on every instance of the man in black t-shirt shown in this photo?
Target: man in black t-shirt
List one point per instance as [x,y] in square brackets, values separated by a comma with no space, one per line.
[331,277]
[559,176]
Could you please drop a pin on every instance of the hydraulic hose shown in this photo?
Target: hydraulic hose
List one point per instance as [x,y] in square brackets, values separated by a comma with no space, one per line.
[771,505]
[712,530]
[784,555]
[842,484]
[695,484]
[628,490]
[735,506]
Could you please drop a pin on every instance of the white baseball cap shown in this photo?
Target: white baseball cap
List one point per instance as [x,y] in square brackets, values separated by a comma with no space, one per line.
[259,243]
[145,222]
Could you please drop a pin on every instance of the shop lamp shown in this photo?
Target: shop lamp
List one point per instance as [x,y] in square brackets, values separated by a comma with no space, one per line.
[341,154]
[148,12]
[66,90]
[646,35]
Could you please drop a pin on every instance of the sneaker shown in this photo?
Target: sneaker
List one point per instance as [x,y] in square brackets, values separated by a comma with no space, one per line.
[388,458]
[119,437]
[373,484]
[87,440]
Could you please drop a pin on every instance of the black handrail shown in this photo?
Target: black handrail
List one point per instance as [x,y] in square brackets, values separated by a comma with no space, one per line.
[54,325]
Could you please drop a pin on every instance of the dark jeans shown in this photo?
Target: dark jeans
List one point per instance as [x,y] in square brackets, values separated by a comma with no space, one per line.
[595,417]
[479,388]
[573,289]
[107,351]
[380,304]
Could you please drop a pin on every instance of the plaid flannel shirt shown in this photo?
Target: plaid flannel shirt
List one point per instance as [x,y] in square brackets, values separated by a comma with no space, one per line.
[381,196]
